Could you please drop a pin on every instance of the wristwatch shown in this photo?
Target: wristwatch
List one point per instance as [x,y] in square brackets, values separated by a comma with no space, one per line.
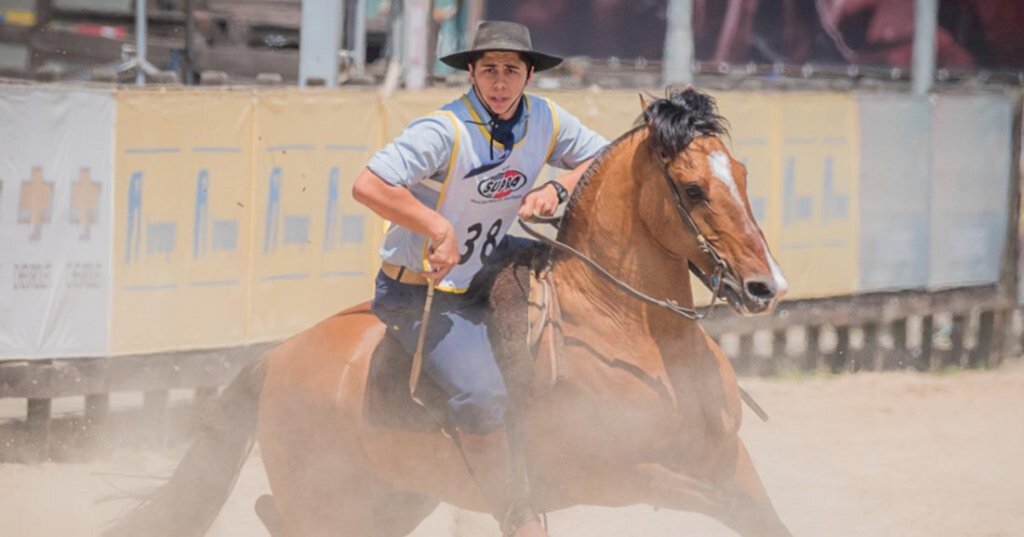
[563,194]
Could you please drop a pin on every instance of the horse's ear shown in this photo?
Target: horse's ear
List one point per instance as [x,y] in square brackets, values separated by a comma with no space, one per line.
[643,103]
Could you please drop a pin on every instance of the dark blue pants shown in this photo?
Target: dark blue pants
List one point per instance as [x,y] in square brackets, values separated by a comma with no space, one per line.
[457,353]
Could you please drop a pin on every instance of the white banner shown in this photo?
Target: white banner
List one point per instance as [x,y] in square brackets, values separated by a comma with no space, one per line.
[56,161]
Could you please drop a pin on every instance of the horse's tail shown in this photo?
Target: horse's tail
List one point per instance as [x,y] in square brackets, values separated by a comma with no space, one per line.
[188,503]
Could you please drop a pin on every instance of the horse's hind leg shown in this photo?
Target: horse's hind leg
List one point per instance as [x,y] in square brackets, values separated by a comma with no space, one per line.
[266,510]
[319,487]
[735,496]
[397,514]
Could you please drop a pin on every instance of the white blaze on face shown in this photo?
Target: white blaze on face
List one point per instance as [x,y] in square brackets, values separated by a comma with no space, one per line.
[721,168]
[781,285]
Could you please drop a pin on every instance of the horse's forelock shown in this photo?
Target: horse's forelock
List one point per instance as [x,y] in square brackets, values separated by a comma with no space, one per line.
[682,116]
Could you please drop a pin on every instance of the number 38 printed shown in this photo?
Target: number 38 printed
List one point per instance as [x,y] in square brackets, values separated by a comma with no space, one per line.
[490,241]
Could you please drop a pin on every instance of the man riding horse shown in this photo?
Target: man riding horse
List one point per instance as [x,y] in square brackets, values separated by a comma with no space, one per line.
[452,184]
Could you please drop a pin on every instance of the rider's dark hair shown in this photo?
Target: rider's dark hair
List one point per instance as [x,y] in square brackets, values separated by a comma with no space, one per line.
[680,117]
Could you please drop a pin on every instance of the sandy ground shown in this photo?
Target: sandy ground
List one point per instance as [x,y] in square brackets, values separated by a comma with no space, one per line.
[893,454]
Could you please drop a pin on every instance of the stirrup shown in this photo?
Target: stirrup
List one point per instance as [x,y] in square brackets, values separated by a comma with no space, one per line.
[518,515]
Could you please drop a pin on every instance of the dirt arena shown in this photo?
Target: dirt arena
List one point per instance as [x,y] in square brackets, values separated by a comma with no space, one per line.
[892,454]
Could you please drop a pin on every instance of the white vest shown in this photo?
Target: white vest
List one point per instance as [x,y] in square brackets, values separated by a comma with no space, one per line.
[481,208]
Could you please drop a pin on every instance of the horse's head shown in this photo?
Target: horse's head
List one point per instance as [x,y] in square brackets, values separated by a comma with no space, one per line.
[694,202]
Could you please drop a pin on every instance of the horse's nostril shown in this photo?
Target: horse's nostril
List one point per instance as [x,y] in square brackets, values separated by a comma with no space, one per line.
[760,290]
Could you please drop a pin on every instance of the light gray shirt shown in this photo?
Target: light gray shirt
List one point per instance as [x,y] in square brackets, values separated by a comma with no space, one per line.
[423,149]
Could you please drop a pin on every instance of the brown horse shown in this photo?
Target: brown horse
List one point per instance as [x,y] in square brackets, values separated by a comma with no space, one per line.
[648,411]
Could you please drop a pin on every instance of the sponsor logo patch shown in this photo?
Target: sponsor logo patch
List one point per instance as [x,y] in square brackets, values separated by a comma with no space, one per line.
[501,185]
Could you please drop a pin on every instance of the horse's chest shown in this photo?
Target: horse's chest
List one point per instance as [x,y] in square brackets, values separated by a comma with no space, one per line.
[612,416]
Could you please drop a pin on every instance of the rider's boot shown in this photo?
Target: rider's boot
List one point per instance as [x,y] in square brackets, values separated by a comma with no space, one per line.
[490,460]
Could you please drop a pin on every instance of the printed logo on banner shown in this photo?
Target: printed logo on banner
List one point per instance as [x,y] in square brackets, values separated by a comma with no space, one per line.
[797,208]
[340,229]
[222,236]
[159,237]
[794,208]
[296,226]
[85,201]
[36,203]
[834,206]
[34,208]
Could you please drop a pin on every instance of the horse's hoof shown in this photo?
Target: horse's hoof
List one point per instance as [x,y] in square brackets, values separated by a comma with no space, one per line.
[266,509]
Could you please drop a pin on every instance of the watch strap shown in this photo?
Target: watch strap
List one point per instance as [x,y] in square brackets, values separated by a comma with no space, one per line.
[563,194]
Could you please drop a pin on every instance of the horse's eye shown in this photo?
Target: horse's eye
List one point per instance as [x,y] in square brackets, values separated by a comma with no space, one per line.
[694,193]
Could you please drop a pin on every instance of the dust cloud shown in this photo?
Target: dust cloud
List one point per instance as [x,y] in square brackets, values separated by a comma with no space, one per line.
[867,454]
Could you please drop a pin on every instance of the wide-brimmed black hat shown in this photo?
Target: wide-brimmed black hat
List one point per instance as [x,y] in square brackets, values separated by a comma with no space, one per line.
[502,36]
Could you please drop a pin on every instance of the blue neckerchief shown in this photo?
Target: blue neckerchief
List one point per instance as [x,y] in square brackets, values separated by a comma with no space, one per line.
[501,131]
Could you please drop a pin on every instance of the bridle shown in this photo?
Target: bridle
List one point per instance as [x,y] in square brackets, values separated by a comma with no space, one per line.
[714,283]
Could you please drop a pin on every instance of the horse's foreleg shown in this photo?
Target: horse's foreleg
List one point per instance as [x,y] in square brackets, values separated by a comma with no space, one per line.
[734,497]
[266,510]
[398,513]
[754,514]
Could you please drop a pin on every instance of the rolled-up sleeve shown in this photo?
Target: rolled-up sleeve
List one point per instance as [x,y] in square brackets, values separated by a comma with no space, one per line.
[422,150]
[574,142]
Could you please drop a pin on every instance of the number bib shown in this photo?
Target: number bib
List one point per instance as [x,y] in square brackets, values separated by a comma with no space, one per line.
[483,207]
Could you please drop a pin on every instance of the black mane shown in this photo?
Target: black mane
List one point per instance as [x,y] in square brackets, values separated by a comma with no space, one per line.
[679,118]
[673,122]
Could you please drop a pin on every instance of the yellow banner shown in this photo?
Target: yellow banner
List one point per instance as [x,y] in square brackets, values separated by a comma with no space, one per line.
[817,241]
[800,151]
[315,248]
[400,109]
[234,220]
[755,139]
[182,219]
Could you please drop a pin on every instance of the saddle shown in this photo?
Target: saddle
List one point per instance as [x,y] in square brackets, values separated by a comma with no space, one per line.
[523,325]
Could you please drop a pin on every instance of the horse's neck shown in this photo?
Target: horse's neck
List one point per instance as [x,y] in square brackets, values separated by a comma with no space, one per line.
[604,225]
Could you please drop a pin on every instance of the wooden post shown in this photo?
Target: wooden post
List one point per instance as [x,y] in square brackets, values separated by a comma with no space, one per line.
[956,353]
[97,410]
[44,12]
[899,356]
[780,358]
[870,357]
[679,46]
[928,361]
[841,356]
[926,16]
[745,354]
[154,405]
[1002,338]
[812,358]
[983,349]
[1012,269]
[1020,336]
[39,413]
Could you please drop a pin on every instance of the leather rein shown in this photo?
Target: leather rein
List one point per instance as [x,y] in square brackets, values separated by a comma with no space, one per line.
[714,284]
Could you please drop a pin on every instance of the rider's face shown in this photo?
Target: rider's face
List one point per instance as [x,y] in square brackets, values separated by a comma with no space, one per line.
[500,78]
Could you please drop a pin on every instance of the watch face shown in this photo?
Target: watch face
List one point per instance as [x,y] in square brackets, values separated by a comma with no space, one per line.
[560,190]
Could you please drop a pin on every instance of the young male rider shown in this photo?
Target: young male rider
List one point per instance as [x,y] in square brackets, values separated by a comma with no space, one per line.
[452,184]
